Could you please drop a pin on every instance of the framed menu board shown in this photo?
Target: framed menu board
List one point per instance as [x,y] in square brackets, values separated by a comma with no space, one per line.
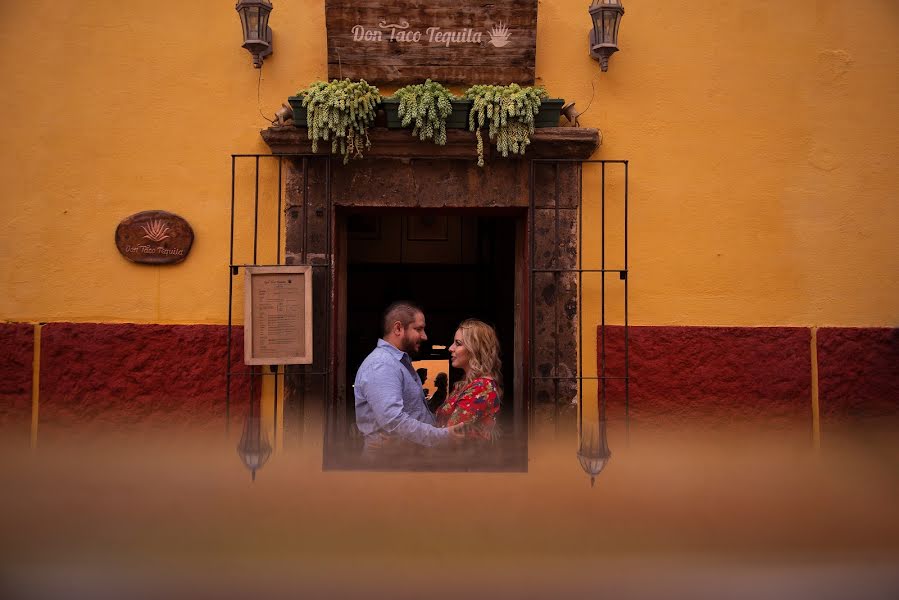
[278,315]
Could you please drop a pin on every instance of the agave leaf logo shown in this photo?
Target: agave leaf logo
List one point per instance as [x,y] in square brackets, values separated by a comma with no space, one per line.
[499,35]
[155,230]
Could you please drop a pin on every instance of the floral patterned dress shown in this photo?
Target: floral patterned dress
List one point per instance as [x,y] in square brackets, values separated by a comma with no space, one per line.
[476,404]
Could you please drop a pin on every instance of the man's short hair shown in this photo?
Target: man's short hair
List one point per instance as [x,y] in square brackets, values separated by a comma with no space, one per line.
[402,311]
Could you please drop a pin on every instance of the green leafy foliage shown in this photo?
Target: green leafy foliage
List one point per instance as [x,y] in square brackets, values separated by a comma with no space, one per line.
[508,111]
[341,111]
[426,105]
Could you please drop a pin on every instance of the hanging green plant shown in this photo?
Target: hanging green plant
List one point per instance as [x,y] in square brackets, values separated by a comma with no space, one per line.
[508,111]
[341,111]
[426,106]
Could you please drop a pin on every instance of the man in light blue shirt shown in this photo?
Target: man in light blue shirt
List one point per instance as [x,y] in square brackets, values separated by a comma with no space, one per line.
[390,401]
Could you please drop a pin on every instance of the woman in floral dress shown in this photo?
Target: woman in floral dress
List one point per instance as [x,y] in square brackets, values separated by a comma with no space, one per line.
[475,399]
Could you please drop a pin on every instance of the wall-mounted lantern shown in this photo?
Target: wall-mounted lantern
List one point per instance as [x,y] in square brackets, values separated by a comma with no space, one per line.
[257,35]
[593,452]
[254,449]
[606,15]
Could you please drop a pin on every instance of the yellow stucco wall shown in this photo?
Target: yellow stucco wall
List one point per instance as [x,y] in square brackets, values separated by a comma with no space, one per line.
[762,138]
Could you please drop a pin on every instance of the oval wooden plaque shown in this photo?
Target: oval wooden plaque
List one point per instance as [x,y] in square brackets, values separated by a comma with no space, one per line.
[154,237]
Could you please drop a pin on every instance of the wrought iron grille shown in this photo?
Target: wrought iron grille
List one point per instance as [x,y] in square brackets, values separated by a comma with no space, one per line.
[550,268]
[257,238]
[245,200]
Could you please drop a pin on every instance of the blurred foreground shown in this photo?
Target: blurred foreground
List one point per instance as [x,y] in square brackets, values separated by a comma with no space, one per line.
[686,514]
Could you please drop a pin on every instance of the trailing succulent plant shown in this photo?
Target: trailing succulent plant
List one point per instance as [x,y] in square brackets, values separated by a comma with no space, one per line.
[341,111]
[509,111]
[426,105]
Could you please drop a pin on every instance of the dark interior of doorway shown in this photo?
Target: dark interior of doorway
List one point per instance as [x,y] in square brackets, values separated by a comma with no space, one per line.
[455,266]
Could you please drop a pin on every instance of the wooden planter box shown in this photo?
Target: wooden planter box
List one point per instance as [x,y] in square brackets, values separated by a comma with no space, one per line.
[299,111]
[458,119]
[550,113]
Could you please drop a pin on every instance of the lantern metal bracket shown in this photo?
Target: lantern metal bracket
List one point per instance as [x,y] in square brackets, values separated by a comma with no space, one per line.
[594,52]
[591,37]
[598,52]
[258,56]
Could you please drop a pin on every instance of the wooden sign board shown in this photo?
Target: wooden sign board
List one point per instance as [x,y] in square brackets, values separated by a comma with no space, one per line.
[450,41]
[154,237]
[278,315]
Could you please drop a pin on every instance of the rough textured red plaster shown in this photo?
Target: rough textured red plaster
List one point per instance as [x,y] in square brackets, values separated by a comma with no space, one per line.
[16,358]
[715,375]
[858,373]
[114,375]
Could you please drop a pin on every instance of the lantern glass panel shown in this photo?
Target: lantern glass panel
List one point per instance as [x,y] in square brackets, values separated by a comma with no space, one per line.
[253,23]
[243,23]
[608,27]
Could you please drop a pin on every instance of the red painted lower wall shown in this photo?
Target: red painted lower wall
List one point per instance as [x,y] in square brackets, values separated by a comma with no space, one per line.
[16,370]
[710,375]
[114,375]
[858,374]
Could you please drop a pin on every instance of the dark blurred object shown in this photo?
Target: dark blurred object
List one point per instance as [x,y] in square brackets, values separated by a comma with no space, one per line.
[593,449]
[254,449]
[441,382]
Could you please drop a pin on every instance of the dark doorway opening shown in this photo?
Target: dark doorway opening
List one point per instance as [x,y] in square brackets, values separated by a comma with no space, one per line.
[455,265]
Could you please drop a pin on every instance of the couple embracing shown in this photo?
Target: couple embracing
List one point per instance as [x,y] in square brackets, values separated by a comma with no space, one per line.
[391,411]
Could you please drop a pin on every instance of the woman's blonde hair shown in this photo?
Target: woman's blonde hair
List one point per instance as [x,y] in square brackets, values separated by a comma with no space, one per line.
[482,344]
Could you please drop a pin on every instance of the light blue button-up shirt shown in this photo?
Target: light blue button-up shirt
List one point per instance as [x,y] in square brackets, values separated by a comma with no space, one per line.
[390,399]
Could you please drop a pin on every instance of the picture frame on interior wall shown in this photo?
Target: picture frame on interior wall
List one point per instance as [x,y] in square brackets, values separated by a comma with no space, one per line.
[278,315]
[427,228]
